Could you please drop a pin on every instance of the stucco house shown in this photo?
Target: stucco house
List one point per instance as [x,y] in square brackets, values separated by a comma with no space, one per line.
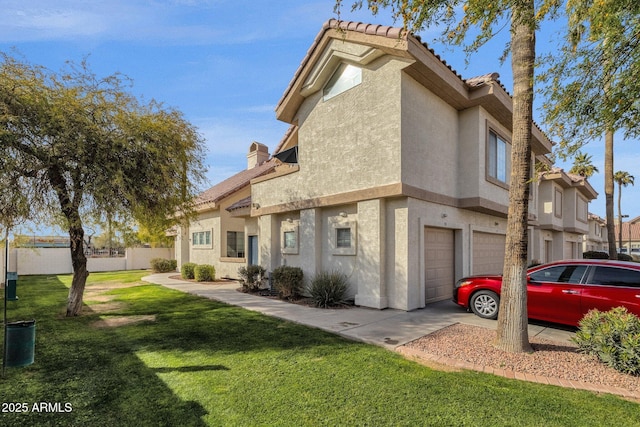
[219,235]
[596,238]
[563,215]
[630,237]
[394,171]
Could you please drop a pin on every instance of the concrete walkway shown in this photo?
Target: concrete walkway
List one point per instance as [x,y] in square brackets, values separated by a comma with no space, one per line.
[388,328]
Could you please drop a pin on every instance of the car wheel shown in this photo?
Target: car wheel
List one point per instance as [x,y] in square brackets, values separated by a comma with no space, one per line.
[485,304]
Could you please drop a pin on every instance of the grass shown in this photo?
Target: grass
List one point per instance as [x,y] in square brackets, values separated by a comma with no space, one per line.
[204,363]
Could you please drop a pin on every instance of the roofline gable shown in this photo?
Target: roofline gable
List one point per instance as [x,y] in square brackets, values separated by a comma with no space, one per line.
[423,64]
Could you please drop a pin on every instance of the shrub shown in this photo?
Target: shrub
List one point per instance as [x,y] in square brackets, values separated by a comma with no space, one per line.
[204,273]
[251,277]
[162,265]
[287,281]
[595,255]
[625,257]
[187,270]
[329,289]
[613,336]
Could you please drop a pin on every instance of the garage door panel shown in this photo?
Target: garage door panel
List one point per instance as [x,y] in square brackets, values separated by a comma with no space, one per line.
[439,264]
[488,253]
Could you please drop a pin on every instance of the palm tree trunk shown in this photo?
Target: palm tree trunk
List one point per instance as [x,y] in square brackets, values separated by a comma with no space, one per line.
[512,330]
[620,214]
[608,193]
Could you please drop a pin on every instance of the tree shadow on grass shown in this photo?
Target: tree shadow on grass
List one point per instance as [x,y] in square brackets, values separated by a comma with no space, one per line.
[94,375]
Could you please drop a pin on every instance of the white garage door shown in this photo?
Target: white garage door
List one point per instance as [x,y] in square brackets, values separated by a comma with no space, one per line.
[439,264]
[488,253]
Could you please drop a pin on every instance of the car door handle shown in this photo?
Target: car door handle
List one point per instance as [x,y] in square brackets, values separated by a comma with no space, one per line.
[571,291]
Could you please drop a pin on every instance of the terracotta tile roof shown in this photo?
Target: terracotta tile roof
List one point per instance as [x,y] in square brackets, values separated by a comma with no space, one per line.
[384,31]
[482,80]
[234,183]
[240,204]
[635,231]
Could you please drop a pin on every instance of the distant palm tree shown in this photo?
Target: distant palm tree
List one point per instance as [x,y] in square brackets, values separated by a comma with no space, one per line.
[623,179]
[582,165]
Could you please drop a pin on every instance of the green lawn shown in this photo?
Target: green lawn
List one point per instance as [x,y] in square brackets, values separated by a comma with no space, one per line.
[203,363]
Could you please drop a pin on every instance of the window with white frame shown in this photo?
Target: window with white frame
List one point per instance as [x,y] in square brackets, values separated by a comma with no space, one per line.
[235,244]
[498,159]
[345,77]
[289,237]
[201,239]
[342,236]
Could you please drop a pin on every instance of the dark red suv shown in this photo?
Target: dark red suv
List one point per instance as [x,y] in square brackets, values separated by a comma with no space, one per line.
[559,292]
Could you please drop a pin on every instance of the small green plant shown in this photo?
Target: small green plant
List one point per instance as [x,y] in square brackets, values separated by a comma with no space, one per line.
[251,277]
[287,281]
[613,336]
[204,273]
[187,270]
[329,289]
[162,265]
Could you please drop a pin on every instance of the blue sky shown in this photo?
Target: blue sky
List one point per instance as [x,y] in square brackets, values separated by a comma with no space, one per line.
[224,63]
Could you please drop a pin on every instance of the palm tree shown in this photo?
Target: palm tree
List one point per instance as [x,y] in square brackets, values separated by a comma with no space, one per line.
[582,165]
[623,179]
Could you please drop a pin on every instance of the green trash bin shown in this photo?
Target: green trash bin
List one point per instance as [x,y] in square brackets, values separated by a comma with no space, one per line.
[12,281]
[21,342]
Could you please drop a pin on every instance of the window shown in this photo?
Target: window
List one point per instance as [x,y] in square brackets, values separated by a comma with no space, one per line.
[201,239]
[343,237]
[289,236]
[235,244]
[559,274]
[581,209]
[290,240]
[345,78]
[557,203]
[342,234]
[613,276]
[498,159]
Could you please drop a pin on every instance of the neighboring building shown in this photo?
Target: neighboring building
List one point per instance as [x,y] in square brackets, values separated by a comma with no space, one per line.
[221,236]
[563,215]
[394,171]
[596,238]
[630,236]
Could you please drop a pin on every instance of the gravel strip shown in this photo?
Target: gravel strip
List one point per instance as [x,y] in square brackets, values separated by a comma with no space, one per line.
[474,344]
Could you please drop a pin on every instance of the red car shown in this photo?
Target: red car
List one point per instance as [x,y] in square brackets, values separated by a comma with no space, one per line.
[559,292]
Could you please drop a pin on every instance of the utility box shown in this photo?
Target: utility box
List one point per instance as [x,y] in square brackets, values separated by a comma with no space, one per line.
[12,283]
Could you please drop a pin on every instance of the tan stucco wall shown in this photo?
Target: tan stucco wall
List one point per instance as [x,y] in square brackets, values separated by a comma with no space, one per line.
[429,140]
[347,143]
[218,221]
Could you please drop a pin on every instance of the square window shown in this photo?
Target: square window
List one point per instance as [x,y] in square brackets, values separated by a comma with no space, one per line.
[342,235]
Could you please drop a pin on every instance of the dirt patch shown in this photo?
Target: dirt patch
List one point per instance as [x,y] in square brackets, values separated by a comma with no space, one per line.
[115,321]
[107,307]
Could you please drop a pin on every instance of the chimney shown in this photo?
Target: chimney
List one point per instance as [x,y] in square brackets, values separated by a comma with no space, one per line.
[258,154]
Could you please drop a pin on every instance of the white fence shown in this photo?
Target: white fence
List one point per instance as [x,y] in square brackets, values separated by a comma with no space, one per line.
[27,261]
